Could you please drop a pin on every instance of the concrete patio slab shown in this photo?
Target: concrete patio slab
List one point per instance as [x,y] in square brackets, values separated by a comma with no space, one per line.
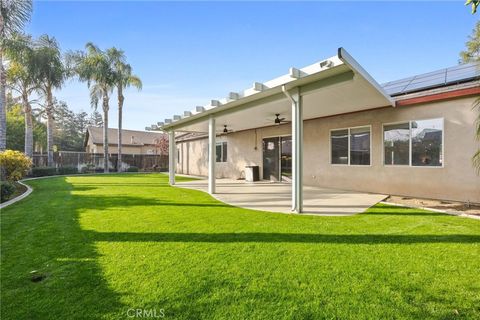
[276,197]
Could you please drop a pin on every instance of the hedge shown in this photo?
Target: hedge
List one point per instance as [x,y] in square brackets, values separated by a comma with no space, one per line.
[7,189]
[68,170]
[43,171]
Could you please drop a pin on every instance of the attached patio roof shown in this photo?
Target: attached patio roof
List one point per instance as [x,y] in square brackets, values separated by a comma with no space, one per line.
[333,86]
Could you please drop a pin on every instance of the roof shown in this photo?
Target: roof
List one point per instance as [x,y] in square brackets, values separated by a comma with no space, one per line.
[140,138]
[335,71]
[444,77]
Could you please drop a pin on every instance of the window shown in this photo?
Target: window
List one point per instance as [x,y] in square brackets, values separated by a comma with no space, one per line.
[339,140]
[396,144]
[360,146]
[414,143]
[427,141]
[350,146]
[221,152]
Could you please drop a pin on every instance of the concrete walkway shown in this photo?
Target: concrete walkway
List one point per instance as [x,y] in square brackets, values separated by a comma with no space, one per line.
[276,197]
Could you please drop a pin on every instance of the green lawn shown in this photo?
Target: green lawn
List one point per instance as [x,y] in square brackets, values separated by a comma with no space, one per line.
[108,244]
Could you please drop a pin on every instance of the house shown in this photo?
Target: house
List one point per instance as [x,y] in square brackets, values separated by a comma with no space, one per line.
[133,141]
[332,125]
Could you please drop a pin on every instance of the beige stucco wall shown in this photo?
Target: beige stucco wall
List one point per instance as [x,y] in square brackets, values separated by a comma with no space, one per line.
[456,180]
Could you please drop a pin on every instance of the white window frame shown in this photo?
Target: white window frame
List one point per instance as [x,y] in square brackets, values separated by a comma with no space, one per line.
[348,163]
[220,143]
[409,165]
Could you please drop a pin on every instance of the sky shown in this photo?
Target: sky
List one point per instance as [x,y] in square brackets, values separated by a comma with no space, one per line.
[188,53]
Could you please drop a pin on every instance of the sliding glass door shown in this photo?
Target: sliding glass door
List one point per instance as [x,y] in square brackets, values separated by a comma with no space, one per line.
[277,158]
[271,153]
[286,158]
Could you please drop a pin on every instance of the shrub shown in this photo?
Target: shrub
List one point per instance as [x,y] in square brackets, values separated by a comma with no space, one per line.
[7,189]
[68,170]
[14,164]
[132,169]
[44,171]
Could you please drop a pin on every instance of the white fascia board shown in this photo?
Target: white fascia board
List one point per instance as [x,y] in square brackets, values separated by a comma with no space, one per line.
[357,68]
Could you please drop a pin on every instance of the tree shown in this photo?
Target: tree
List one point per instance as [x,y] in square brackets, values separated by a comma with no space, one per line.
[472,55]
[95,119]
[474,4]
[21,78]
[14,14]
[15,127]
[52,74]
[96,68]
[161,145]
[123,79]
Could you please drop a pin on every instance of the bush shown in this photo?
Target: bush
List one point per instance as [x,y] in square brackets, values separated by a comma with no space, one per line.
[44,171]
[132,169]
[14,164]
[68,170]
[7,189]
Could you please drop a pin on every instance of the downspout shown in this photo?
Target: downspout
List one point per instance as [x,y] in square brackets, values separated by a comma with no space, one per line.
[288,95]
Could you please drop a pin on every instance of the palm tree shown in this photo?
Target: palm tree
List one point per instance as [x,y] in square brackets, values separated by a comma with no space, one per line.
[123,79]
[21,78]
[13,16]
[52,74]
[96,68]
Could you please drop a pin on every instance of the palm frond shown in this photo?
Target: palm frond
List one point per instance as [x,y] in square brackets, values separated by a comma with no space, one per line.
[135,81]
[476,161]
[15,14]
[96,94]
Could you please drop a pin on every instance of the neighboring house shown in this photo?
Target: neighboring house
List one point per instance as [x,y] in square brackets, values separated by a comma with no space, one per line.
[133,142]
[411,137]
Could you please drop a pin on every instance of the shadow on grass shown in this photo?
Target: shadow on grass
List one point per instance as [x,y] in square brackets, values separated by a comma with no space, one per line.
[282,237]
[49,239]
[405,213]
[385,209]
[103,202]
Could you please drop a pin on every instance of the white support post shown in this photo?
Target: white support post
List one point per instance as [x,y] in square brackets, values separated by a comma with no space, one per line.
[297,150]
[172,152]
[211,155]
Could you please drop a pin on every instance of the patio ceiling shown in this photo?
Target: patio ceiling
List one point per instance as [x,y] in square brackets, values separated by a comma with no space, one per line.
[333,86]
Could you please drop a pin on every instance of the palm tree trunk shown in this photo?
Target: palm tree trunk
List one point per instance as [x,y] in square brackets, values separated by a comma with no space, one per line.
[50,123]
[27,109]
[120,111]
[105,132]
[3,105]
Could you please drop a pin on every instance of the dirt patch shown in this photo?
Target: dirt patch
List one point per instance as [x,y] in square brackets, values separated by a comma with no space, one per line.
[19,190]
[451,206]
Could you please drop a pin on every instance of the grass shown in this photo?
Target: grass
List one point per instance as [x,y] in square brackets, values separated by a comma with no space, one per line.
[107,244]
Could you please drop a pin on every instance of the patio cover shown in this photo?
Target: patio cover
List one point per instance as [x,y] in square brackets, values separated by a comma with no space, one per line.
[334,86]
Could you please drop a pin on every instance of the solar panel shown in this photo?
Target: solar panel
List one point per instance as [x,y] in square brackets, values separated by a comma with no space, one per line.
[448,76]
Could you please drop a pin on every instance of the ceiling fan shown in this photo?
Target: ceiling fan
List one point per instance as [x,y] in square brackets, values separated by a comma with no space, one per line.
[225,130]
[279,120]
